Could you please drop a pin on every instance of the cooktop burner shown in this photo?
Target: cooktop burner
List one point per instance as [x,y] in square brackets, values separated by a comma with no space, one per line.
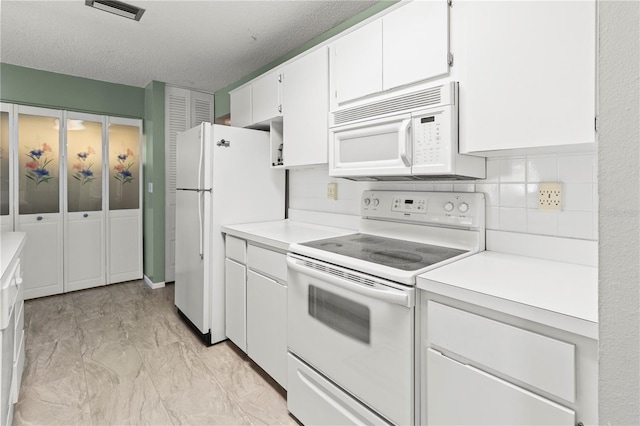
[400,254]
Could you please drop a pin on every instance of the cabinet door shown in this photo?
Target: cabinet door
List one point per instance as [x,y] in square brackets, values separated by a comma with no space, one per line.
[458,394]
[240,107]
[305,98]
[415,43]
[235,303]
[530,77]
[39,212]
[84,218]
[356,64]
[265,97]
[267,325]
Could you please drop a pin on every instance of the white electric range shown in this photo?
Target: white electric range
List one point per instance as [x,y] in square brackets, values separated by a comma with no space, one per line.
[351,305]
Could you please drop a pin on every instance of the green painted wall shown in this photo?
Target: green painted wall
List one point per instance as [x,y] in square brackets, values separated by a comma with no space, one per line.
[27,86]
[153,216]
[221,97]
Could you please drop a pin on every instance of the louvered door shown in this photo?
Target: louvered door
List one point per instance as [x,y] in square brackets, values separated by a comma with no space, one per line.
[184,109]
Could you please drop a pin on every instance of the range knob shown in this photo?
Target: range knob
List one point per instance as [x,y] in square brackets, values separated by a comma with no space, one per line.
[463,207]
[448,206]
[376,201]
[367,201]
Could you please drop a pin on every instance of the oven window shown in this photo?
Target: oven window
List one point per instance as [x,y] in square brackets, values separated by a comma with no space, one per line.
[341,314]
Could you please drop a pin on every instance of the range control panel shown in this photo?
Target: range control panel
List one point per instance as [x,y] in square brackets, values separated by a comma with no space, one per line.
[460,209]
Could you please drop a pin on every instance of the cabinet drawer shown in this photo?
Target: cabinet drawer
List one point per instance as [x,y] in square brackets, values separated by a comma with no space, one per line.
[537,360]
[269,262]
[458,394]
[236,249]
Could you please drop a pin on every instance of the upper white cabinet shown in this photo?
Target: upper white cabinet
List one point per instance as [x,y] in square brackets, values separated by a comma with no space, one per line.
[265,97]
[529,73]
[240,107]
[415,43]
[356,60]
[408,45]
[305,99]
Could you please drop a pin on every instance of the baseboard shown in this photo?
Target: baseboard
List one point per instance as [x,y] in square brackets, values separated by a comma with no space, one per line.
[153,285]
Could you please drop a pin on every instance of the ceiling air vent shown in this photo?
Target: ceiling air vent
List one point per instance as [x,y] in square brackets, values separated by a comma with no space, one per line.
[117,7]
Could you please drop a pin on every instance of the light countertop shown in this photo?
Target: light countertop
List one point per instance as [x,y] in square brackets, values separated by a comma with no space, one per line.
[559,294]
[10,244]
[280,233]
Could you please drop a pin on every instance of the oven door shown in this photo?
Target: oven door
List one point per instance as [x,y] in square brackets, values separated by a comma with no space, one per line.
[356,331]
[380,147]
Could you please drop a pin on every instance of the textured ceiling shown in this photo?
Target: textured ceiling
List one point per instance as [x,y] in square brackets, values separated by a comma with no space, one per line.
[204,45]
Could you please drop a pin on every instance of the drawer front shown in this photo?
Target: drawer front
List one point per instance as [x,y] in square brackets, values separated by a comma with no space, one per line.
[315,400]
[236,249]
[268,262]
[537,360]
[458,394]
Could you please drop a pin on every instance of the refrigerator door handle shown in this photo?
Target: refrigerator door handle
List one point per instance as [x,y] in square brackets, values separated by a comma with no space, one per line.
[201,231]
[200,161]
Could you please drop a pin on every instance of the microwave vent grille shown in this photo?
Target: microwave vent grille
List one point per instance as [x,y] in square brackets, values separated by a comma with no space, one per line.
[411,101]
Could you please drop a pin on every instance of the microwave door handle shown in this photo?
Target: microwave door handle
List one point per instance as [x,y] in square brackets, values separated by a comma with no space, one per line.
[405,142]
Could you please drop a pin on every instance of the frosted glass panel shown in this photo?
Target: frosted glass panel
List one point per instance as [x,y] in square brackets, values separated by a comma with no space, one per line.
[124,167]
[38,164]
[84,166]
[4,163]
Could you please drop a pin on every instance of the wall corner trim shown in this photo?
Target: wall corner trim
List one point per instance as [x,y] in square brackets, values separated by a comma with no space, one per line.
[153,285]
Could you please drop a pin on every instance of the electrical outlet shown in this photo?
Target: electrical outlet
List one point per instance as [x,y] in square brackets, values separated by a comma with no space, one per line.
[332,191]
[550,196]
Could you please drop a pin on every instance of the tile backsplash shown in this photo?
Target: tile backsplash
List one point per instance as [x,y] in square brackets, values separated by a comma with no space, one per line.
[511,189]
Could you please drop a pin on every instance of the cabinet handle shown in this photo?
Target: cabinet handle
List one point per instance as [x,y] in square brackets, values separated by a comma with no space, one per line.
[39,218]
[579,424]
[85,215]
[279,108]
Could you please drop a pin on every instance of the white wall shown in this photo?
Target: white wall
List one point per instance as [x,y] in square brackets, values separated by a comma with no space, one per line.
[511,188]
[619,213]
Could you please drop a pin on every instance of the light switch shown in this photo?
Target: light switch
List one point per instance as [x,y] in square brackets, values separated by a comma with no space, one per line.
[150,187]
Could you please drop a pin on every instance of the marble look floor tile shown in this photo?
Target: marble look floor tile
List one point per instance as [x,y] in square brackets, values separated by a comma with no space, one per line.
[151,333]
[267,406]
[231,368]
[46,307]
[101,333]
[174,368]
[32,411]
[53,361]
[134,309]
[50,329]
[205,402]
[113,362]
[124,401]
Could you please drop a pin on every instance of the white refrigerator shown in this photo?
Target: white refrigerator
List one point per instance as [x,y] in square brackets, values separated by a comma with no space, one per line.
[223,176]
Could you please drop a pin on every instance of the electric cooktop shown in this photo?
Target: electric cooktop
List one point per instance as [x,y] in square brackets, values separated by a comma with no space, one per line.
[391,252]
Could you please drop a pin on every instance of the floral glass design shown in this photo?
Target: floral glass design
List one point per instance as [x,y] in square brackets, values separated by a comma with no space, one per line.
[124,167]
[37,167]
[84,166]
[38,164]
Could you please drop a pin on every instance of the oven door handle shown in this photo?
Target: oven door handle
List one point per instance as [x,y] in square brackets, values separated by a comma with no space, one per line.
[398,297]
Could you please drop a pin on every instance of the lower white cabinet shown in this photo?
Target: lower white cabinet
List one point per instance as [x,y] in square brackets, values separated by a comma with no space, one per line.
[483,367]
[256,304]
[12,354]
[267,325]
[235,278]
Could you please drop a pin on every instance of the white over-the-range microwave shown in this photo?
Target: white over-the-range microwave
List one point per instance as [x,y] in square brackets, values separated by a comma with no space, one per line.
[406,137]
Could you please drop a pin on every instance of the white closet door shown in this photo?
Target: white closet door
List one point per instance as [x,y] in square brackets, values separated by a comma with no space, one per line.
[177,119]
[6,167]
[39,178]
[84,206]
[184,109]
[124,220]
